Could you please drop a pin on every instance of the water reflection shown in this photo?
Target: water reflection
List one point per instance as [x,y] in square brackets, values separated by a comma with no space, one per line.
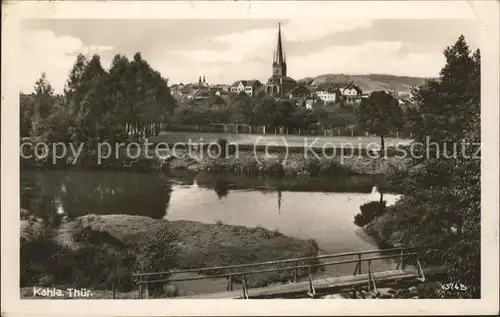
[279,201]
[79,193]
[223,182]
[221,188]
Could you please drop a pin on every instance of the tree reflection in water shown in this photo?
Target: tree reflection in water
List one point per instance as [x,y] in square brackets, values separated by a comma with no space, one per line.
[221,188]
[83,193]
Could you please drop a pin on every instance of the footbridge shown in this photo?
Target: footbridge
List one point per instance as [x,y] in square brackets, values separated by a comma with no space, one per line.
[301,274]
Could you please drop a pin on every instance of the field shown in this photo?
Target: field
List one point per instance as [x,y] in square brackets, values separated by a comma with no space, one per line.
[291,141]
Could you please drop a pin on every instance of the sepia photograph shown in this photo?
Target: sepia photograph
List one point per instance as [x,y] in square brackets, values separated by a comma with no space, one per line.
[282,156]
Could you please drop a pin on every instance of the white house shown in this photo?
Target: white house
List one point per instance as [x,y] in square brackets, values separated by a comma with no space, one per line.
[250,87]
[351,92]
[327,92]
[237,87]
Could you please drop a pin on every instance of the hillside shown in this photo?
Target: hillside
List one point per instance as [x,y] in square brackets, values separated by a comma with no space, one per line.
[371,82]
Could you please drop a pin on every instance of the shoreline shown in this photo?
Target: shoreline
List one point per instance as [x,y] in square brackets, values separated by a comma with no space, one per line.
[196,245]
[251,163]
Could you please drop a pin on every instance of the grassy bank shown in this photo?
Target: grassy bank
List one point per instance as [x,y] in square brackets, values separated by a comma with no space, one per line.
[290,164]
[244,159]
[82,252]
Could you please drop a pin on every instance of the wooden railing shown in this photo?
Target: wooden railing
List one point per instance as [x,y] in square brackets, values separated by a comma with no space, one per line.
[403,255]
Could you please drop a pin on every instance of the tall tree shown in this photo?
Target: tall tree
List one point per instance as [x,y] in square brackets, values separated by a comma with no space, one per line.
[27,105]
[380,114]
[87,101]
[242,108]
[152,98]
[442,194]
[43,103]
[264,112]
[74,82]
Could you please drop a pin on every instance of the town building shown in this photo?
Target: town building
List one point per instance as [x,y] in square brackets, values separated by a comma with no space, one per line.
[197,91]
[279,84]
[351,92]
[250,87]
[299,92]
[337,91]
[327,92]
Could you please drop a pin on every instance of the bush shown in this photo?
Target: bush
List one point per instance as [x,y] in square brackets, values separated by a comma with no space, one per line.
[158,254]
[369,211]
[226,147]
[313,167]
[384,229]
[43,261]
[35,256]
[273,168]
[91,264]
[324,167]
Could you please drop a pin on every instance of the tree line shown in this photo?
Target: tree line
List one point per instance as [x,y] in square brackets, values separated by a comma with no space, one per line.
[96,104]
[131,98]
[263,110]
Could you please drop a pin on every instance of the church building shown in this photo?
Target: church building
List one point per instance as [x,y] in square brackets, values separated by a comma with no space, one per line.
[279,85]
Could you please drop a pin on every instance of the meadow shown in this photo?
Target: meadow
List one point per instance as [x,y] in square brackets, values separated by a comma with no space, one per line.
[272,140]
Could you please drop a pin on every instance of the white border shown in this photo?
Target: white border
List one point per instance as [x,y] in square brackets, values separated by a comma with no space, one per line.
[484,11]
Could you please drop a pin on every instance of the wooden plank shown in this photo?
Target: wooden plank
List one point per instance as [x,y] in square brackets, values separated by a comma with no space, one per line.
[320,284]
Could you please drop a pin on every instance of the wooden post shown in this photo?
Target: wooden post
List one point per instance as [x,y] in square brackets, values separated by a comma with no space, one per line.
[244,282]
[369,275]
[140,291]
[296,273]
[312,291]
[372,279]
[230,281]
[420,271]
[359,263]
[402,260]
[114,284]
[147,291]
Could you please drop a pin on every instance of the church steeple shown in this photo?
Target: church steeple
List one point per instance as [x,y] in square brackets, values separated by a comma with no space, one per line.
[279,62]
[279,49]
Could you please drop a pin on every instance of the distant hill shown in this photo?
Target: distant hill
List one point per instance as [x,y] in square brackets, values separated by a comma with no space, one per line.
[372,82]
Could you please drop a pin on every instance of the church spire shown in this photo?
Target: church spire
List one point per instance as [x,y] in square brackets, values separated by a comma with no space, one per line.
[279,50]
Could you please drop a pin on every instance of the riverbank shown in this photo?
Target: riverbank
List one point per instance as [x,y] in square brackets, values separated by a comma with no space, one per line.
[278,162]
[82,252]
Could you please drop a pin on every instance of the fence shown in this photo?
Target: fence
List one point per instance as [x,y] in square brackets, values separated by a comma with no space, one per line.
[240,128]
[243,270]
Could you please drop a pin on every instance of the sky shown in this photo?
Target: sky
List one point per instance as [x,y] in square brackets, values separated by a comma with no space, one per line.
[228,50]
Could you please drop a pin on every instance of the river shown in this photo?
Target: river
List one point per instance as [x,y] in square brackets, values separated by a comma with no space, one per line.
[308,208]
[320,209]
